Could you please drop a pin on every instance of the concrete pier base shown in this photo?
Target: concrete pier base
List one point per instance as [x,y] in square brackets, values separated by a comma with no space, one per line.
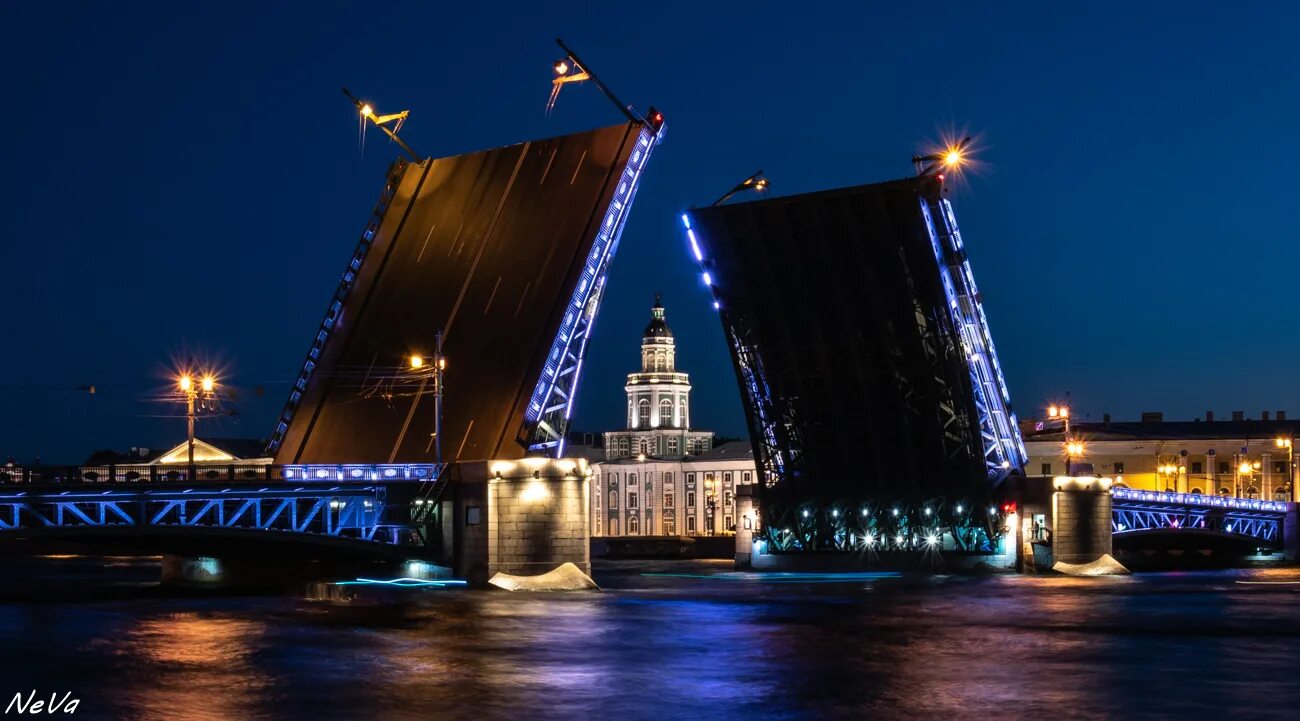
[1081,510]
[523,517]
[748,516]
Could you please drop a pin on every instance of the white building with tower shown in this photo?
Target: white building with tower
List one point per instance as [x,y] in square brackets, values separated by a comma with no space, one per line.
[659,477]
[658,401]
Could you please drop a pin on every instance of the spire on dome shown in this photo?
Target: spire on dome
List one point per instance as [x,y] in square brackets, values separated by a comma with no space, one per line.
[657,328]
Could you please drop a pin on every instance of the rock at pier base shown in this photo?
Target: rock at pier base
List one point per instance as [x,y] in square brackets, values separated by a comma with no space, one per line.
[566,577]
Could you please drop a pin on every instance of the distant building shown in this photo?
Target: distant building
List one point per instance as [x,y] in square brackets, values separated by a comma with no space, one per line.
[658,401]
[1241,457]
[659,477]
[243,451]
[686,496]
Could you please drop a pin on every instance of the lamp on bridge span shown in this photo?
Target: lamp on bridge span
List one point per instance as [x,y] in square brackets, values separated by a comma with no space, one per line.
[950,158]
[755,182]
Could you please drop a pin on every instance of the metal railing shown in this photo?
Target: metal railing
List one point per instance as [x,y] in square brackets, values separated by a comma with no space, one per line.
[114,473]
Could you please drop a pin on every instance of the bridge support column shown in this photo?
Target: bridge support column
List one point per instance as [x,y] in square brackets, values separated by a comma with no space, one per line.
[523,517]
[1081,510]
[747,521]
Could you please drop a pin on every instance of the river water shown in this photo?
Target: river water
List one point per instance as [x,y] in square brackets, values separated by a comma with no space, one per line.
[699,643]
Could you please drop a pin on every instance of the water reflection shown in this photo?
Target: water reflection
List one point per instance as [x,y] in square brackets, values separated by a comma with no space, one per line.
[669,647]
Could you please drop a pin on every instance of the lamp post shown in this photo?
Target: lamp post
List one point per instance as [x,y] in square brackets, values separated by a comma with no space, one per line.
[710,503]
[1072,448]
[1061,413]
[1286,442]
[205,391]
[435,368]
[1245,470]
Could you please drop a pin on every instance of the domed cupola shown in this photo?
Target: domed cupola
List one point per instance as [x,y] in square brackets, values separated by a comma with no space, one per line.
[658,327]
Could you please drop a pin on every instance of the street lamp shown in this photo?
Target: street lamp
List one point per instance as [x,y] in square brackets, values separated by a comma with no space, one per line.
[1072,448]
[205,392]
[710,501]
[1284,442]
[1061,413]
[755,182]
[419,364]
[1171,472]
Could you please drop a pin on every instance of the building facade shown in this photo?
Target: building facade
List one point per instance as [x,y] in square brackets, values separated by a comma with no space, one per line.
[659,477]
[658,401]
[1241,457]
[686,496]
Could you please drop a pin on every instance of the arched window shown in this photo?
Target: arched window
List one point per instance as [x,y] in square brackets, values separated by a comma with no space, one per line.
[613,499]
[643,446]
[633,525]
[660,362]
[1279,493]
[645,411]
[1196,491]
[1225,492]
[666,412]
[682,420]
[1252,492]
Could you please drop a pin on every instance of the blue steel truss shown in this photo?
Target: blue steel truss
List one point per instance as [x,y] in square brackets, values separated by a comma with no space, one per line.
[546,419]
[1004,449]
[336,303]
[1135,511]
[352,512]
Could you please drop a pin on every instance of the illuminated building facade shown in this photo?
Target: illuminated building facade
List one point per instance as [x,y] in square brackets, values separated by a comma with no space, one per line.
[1244,458]
[687,496]
[658,401]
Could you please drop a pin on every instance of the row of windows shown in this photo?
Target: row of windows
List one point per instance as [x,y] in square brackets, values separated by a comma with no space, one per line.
[1196,468]
[670,525]
[727,500]
[746,477]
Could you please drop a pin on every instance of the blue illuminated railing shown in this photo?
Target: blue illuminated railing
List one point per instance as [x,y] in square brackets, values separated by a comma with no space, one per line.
[546,418]
[350,512]
[1134,511]
[772,458]
[1004,449]
[1199,499]
[360,472]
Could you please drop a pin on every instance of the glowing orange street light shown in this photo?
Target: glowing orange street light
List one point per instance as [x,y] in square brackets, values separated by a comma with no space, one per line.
[417,362]
[185,383]
[209,383]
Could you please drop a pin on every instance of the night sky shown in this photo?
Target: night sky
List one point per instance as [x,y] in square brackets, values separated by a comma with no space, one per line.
[186,181]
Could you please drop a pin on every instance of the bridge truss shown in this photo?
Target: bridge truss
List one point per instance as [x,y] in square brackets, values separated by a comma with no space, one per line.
[355,512]
[1134,511]
[1004,449]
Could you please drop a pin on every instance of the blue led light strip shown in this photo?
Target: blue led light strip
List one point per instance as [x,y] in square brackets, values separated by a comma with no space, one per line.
[1199,499]
[772,454]
[546,419]
[1004,449]
[346,512]
[336,303]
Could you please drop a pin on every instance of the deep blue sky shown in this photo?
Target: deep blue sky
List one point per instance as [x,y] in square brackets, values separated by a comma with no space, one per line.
[184,180]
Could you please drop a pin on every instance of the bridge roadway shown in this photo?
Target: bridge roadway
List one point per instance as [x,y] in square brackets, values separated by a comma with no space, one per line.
[382,507]
[1135,512]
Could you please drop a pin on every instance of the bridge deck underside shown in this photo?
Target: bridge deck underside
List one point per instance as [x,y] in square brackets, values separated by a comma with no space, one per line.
[844,346]
[488,247]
